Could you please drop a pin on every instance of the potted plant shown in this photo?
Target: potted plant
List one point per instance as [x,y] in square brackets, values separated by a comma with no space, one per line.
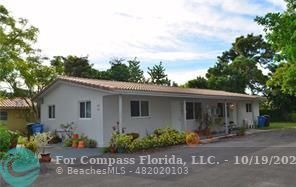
[42,140]
[74,143]
[81,143]
[55,139]
[91,143]
[75,136]
[69,129]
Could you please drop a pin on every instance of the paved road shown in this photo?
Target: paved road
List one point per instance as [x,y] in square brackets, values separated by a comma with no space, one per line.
[226,173]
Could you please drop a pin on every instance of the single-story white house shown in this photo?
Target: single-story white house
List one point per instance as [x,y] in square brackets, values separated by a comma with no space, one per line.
[96,106]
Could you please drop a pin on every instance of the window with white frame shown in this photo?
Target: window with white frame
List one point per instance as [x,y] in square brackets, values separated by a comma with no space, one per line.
[85,109]
[248,107]
[139,108]
[193,110]
[51,111]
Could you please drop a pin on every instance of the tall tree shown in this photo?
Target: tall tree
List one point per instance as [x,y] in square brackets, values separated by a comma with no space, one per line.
[280,31]
[199,82]
[118,71]
[135,72]
[74,66]
[238,68]
[21,65]
[158,76]
[57,62]
[78,66]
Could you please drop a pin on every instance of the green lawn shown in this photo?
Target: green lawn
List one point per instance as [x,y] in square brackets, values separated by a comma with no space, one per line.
[281,125]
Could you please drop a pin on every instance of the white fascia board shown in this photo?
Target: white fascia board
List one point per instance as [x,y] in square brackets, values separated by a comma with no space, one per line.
[52,87]
[194,96]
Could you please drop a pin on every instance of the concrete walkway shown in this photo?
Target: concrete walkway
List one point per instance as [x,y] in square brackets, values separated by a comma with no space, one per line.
[254,131]
[226,173]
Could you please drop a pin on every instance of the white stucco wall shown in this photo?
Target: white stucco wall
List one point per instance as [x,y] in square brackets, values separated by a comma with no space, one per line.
[164,112]
[159,110]
[244,115]
[66,98]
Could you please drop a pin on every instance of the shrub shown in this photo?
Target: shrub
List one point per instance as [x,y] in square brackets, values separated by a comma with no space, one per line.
[160,138]
[42,139]
[122,141]
[68,142]
[3,155]
[55,139]
[242,131]
[292,117]
[106,150]
[91,143]
[22,140]
[160,131]
[32,145]
[5,139]
[134,135]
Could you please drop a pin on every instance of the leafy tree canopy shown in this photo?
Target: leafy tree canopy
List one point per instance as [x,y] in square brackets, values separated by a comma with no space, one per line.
[199,82]
[135,72]
[119,70]
[280,31]
[74,66]
[158,76]
[238,68]
[21,65]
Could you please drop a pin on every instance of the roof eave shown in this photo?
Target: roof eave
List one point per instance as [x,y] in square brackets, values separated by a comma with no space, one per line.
[183,95]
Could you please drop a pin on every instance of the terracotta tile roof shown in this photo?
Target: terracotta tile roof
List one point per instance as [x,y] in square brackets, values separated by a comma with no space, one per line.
[14,103]
[128,86]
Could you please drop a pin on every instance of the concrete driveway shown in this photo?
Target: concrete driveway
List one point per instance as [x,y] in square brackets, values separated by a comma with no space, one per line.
[60,150]
[225,172]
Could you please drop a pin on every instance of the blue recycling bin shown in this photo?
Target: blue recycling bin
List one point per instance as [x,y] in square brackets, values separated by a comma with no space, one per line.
[261,121]
[37,128]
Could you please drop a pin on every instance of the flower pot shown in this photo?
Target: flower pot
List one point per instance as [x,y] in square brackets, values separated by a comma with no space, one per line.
[75,136]
[45,157]
[120,150]
[113,150]
[74,144]
[81,144]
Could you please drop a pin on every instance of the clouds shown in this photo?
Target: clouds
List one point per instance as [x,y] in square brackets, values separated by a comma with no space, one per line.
[152,30]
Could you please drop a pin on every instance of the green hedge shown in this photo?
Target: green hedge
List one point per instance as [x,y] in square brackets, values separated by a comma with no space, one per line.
[160,138]
[277,115]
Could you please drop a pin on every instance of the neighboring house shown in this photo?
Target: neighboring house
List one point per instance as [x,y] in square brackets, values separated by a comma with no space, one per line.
[96,106]
[15,114]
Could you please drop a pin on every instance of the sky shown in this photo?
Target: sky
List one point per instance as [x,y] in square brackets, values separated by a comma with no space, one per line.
[186,35]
